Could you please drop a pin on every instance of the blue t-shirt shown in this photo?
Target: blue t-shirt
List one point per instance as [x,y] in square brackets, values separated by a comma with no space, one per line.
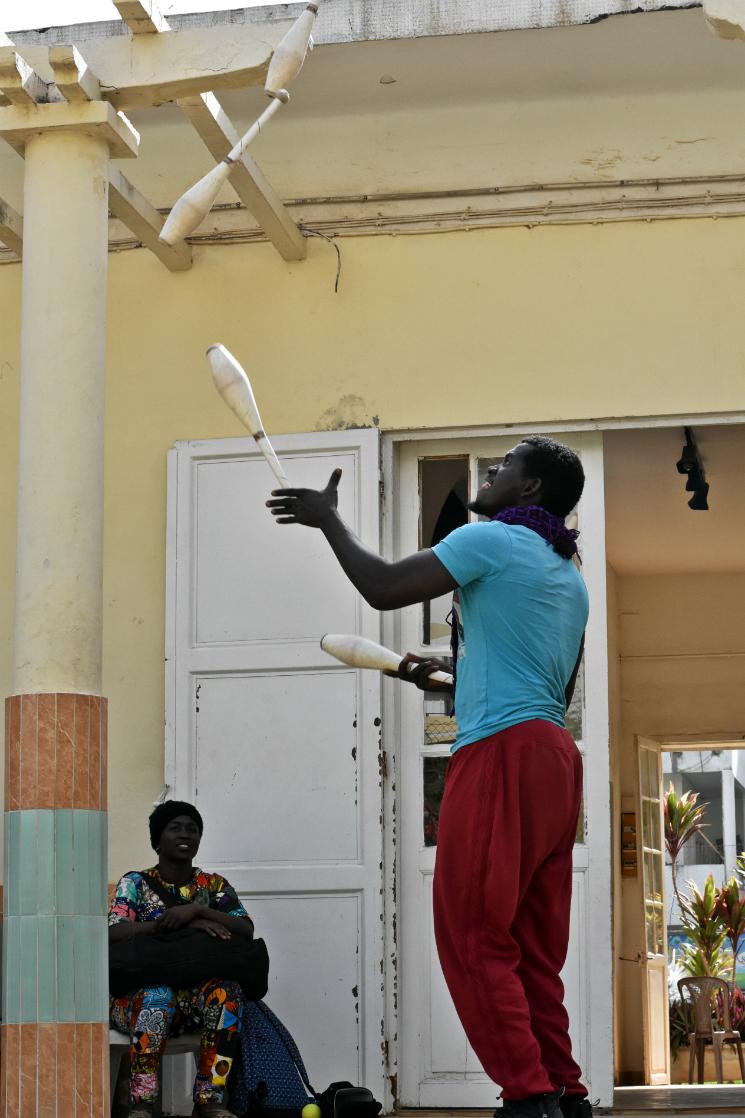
[521,616]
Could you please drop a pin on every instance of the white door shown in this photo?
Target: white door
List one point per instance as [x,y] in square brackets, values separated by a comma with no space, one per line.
[436,1065]
[277,744]
[655,1003]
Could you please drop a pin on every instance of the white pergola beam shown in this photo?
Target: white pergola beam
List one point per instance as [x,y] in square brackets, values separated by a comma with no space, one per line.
[72,75]
[142,17]
[11,228]
[216,130]
[126,203]
[19,82]
[140,71]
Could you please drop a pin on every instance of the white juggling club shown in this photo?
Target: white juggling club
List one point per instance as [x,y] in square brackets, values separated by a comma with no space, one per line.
[287,62]
[358,652]
[235,388]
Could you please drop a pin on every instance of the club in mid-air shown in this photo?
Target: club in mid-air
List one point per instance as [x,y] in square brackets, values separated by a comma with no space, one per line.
[287,62]
[235,388]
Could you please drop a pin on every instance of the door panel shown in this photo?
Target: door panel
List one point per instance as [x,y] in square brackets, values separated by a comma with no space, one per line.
[278,744]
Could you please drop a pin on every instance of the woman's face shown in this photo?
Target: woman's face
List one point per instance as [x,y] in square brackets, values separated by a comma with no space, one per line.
[179,841]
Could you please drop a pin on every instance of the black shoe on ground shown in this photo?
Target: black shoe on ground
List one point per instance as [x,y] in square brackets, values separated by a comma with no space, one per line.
[537,1106]
[575,1106]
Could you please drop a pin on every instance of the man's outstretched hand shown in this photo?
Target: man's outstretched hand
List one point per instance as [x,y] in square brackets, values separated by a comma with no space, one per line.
[311,507]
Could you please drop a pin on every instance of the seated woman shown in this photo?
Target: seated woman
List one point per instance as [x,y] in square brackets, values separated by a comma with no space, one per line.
[149,1016]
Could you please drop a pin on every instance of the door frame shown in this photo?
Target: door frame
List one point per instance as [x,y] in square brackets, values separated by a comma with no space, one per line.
[592,860]
[601,1056]
[657,1073]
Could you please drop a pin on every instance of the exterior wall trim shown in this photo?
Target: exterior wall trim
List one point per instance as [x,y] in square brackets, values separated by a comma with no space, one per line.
[348,21]
[625,423]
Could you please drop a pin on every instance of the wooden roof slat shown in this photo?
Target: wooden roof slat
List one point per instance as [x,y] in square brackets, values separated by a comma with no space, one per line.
[141,71]
[72,76]
[126,203]
[142,17]
[19,82]
[213,125]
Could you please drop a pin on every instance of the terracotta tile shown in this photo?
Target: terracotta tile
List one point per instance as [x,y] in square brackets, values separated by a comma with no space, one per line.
[80,789]
[47,717]
[13,752]
[28,1063]
[29,750]
[3,1074]
[65,1070]
[95,755]
[104,754]
[83,1070]
[47,1071]
[11,1054]
[100,1066]
[64,751]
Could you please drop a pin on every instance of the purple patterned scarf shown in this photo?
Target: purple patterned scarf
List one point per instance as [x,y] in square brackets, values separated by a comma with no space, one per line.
[549,526]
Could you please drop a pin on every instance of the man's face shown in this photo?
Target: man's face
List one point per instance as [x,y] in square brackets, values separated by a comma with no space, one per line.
[508,484]
[179,841]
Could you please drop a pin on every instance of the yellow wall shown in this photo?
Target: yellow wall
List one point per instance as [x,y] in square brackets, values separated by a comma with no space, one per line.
[494,326]
[666,690]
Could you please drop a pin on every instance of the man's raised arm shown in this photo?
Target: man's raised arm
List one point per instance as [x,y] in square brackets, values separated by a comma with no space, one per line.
[417,578]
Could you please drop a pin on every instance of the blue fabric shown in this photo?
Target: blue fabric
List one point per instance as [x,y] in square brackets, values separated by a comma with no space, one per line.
[270,1074]
[521,612]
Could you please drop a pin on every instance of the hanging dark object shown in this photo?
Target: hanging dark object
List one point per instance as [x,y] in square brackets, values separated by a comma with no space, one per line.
[691,465]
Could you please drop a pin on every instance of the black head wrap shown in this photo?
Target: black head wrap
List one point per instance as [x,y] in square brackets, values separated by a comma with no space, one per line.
[167,811]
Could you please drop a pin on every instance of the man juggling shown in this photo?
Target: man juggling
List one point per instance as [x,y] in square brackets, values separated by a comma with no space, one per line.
[503,873]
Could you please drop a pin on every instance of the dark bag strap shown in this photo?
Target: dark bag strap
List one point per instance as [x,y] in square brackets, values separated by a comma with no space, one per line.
[167,897]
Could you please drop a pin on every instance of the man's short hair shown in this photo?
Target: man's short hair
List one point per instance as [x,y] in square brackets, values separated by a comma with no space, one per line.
[560,471]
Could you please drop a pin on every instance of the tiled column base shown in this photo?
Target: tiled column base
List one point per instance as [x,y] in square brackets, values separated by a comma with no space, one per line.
[55,1051]
[55,1071]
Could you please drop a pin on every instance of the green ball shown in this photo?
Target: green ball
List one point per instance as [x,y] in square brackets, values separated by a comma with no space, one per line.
[310,1110]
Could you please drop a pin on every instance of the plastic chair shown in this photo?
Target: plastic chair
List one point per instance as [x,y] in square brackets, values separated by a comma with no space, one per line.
[701,993]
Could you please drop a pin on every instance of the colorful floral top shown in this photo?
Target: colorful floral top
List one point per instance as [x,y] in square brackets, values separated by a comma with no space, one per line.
[134,900]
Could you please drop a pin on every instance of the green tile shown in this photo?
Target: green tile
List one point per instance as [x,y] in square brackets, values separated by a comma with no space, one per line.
[11,903]
[100,863]
[47,968]
[83,954]
[81,862]
[46,837]
[12,970]
[29,951]
[66,932]
[64,860]
[28,870]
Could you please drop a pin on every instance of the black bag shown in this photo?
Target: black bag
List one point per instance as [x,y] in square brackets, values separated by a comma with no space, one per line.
[343,1100]
[185,958]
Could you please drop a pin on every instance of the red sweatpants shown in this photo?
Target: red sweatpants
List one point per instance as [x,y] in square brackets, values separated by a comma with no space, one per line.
[502,897]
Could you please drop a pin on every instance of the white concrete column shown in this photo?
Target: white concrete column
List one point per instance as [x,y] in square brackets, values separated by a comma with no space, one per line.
[60,513]
[729,822]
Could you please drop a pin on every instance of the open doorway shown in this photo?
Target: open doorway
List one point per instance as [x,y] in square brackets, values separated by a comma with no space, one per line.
[704,789]
[676,610]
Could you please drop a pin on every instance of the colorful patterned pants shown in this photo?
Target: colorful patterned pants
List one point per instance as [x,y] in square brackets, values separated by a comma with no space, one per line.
[151,1015]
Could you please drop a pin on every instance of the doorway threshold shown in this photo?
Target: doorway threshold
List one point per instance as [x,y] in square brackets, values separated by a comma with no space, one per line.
[718,1099]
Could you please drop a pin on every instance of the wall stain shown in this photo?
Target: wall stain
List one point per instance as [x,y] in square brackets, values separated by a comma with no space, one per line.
[349,412]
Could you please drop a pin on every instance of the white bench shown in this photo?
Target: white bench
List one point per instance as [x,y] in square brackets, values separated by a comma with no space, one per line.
[119,1044]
